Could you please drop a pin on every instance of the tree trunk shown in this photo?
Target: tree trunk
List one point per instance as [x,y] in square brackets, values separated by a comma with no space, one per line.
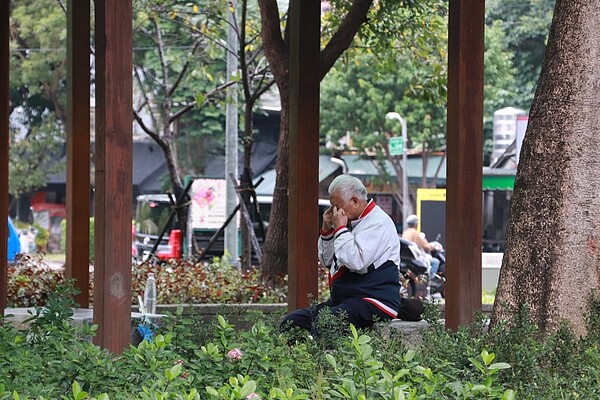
[275,255]
[276,49]
[246,182]
[553,241]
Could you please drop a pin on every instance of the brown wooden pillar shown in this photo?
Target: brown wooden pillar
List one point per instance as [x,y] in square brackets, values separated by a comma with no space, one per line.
[4,141]
[305,19]
[78,146]
[465,161]
[113,174]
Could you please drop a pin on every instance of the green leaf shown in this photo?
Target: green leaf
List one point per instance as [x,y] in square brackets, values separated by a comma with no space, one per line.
[173,372]
[331,360]
[487,357]
[200,98]
[78,394]
[500,365]
[248,388]
[478,388]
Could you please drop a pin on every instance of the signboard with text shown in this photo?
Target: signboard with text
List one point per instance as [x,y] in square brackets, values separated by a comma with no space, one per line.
[431,209]
[396,146]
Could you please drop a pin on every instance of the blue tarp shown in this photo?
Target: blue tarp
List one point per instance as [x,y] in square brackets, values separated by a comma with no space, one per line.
[14,244]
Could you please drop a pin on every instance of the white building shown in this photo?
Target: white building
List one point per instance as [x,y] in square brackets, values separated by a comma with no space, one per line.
[508,123]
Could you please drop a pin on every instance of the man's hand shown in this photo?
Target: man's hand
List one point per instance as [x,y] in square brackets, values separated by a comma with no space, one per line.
[327,219]
[339,217]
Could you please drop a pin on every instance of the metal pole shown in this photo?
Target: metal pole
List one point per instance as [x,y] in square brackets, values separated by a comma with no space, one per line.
[231,146]
[404,170]
[405,208]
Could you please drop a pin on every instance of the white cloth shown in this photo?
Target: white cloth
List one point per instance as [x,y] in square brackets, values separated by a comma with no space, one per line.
[373,240]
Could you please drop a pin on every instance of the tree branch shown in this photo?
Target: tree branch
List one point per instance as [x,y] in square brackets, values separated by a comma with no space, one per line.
[343,37]
[276,50]
[155,136]
[183,71]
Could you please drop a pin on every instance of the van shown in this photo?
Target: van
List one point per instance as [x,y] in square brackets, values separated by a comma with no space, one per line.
[152,214]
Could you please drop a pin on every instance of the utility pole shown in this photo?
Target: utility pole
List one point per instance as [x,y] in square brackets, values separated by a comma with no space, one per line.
[405,206]
[231,134]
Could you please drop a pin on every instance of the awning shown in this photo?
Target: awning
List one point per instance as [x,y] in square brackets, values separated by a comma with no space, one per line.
[327,166]
[362,167]
[498,179]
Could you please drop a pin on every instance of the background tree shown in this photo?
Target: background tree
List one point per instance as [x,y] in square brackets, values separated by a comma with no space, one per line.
[552,253]
[525,24]
[33,157]
[375,78]
[178,69]
[338,33]
[255,78]
[500,85]
[37,95]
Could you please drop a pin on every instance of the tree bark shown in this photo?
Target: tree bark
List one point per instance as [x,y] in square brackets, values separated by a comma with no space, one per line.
[277,51]
[276,242]
[553,241]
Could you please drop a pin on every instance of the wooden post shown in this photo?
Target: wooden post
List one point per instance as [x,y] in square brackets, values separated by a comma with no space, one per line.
[465,161]
[114,192]
[304,152]
[4,141]
[78,147]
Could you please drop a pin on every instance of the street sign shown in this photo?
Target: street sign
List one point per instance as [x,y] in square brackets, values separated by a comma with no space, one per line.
[396,146]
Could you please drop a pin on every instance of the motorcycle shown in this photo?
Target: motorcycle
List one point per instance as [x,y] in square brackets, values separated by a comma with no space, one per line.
[437,281]
[415,278]
[414,267]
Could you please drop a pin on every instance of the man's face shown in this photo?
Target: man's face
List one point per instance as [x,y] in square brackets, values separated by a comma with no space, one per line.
[351,207]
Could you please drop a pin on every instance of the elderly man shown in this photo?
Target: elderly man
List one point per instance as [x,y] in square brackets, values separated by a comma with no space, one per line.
[360,246]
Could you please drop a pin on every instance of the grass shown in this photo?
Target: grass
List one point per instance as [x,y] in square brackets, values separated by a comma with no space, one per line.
[488,297]
[58,257]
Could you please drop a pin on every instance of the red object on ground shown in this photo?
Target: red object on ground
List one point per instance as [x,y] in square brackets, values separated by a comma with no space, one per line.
[175,246]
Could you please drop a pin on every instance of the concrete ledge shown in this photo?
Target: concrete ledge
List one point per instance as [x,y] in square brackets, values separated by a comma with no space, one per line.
[81,316]
[237,314]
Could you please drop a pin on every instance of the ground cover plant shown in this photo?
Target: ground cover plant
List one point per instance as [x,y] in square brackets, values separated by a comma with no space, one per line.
[187,359]
[190,359]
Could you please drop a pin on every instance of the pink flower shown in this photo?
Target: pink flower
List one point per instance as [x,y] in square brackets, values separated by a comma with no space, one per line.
[252,396]
[235,354]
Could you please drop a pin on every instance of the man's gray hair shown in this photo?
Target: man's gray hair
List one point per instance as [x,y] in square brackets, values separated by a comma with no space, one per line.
[348,186]
[412,220]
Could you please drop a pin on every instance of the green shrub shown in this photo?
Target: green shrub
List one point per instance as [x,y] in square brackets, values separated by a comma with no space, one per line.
[192,359]
[53,360]
[63,236]
[41,238]
[30,281]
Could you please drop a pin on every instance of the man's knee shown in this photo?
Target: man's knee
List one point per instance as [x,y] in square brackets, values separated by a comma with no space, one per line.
[300,318]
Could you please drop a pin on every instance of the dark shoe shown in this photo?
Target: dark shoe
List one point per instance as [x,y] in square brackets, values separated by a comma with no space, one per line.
[411,309]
